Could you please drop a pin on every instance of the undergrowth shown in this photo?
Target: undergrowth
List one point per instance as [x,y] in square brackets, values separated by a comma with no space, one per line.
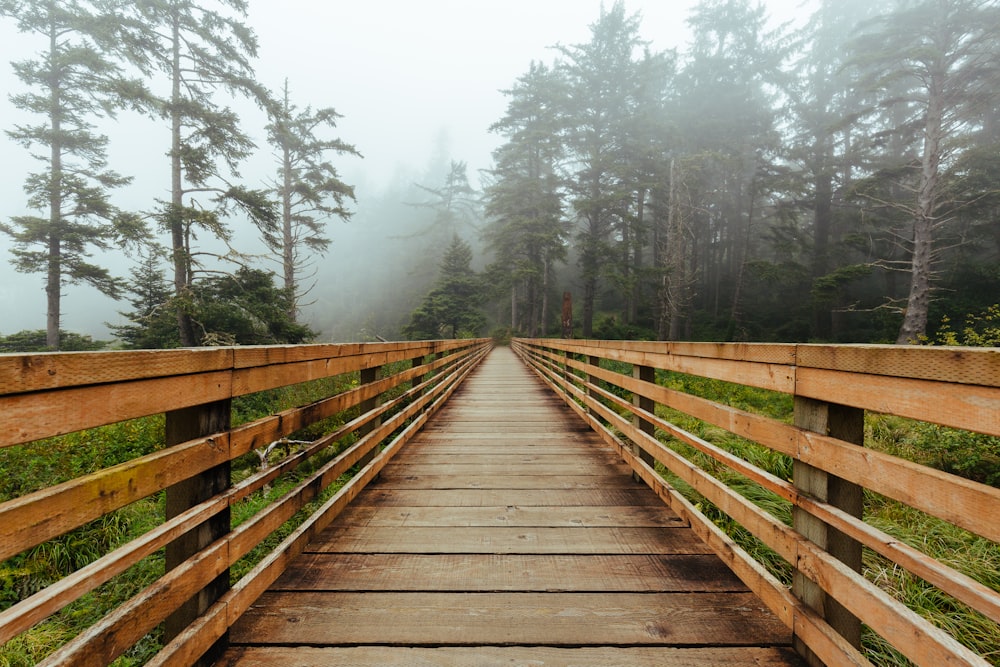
[42,464]
[969,455]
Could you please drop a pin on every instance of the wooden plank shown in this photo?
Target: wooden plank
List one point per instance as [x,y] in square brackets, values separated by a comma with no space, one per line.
[45,415]
[396,477]
[647,573]
[390,497]
[530,460]
[42,515]
[536,540]
[509,516]
[570,467]
[552,619]
[970,407]
[509,547]
[490,656]
[965,365]
[22,373]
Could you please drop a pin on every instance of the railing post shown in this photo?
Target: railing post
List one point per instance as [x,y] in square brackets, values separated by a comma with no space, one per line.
[181,426]
[845,423]
[645,374]
[591,379]
[369,375]
[415,363]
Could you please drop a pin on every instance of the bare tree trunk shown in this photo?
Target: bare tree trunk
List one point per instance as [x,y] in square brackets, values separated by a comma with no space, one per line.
[53,279]
[181,251]
[545,297]
[914,325]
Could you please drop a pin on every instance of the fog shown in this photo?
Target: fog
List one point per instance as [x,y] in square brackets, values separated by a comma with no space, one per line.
[418,85]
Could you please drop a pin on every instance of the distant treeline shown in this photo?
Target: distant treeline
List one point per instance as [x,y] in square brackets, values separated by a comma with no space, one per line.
[835,181]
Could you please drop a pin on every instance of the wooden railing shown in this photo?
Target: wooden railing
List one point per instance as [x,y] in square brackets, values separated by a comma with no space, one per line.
[47,395]
[833,387]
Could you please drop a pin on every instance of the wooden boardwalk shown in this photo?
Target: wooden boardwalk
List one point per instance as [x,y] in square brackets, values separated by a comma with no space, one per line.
[508,533]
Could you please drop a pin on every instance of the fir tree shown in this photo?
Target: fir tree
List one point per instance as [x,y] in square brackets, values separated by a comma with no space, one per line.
[76,79]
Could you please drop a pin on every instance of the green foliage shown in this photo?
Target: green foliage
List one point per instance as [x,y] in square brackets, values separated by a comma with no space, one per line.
[244,308]
[308,188]
[451,308]
[37,341]
[76,80]
[979,330]
[963,453]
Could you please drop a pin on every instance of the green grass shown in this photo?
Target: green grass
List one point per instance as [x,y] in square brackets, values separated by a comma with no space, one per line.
[962,453]
[42,464]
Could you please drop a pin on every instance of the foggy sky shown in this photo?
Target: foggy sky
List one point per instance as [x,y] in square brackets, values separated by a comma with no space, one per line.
[410,79]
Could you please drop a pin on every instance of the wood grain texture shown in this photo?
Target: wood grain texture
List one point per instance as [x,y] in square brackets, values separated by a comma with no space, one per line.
[508,532]
[493,656]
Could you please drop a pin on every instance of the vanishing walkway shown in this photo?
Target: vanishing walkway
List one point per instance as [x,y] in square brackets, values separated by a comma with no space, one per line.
[508,533]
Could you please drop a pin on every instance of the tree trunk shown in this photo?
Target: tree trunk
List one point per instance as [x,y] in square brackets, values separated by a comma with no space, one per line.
[822,225]
[914,326]
[181,255]
[53,279]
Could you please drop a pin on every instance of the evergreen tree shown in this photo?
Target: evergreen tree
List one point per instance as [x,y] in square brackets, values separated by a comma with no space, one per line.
[203,48]
[152,323]
[450,310]
[730,149]
[76,79]
[524,204]
[245,308]
[309,189]
[932,65]
[603,80]
[455,206]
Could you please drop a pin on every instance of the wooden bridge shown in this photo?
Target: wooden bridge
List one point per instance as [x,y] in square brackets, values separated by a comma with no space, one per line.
[528,521]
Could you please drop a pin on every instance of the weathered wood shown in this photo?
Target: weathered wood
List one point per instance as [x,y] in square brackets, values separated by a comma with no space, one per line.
[537,540]
[61,370]
[644,374]
[32,519]
[484,656]
[43,415]
[182,426]
[846,424]
[400,479]
[970,407]
[551,619]
[509,572]
[458,497]
[511,516]
[947,364]
[515,527]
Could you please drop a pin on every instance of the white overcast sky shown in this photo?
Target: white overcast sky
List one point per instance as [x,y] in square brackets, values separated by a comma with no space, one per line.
[403,73]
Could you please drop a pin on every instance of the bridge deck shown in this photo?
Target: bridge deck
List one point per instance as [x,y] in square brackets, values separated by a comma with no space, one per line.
[508,533]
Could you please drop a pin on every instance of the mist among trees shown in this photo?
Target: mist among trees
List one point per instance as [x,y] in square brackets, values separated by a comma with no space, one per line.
[832,182]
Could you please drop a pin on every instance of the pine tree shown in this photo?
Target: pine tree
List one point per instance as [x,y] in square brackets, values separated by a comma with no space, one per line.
[203,51]
[309,189]
[75,80]
[603,79]
[933,67]
[450,310]
[524,203]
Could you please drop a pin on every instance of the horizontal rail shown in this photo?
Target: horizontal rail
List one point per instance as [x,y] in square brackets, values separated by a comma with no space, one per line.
[50,395]
[957,387]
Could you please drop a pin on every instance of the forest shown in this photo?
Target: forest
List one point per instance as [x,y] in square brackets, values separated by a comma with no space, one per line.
[832,181]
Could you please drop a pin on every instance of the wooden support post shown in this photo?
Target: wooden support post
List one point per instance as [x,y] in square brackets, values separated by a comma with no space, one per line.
[369,375]
[567,315]
[845,423]
[414,363]
[181,426]
[591,379]
[646,374]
